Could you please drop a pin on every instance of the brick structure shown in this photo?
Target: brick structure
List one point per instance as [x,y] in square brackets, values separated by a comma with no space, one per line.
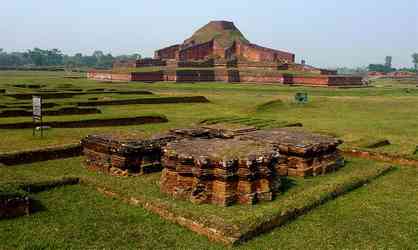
[244,167]
[151,76]
[146,62]
[219,52]
[122,157]
[167,53]
[323,80]
[221,172]
[107,75]
[301,153]
[256,53]
[221,39]
[306,68]
[14,206]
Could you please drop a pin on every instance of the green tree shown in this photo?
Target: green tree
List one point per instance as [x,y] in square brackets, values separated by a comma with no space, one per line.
[415,60]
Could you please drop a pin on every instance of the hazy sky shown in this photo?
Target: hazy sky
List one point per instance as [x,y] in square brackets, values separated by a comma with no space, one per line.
[326,33]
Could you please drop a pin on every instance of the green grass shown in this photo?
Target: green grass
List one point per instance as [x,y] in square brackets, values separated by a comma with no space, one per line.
[298,193]
[10,190]
[382,214]
[76,217]
[352,114]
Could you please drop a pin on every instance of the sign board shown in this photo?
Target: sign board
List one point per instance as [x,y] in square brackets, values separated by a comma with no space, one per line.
[37,113]
[301,98]
[37,107]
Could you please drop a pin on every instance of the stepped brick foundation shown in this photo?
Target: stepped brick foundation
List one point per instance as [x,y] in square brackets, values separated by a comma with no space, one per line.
[244,167]
[222,74]
[323,80]
[221,172]
[122,157]
[301,153]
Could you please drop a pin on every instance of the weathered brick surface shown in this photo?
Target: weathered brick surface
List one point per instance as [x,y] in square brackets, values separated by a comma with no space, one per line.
[202,171]
[167,53]
[256,53]
[155,76]
[301,153]
[11,207]
[123,157]
[306,68]
[109,76]
[323,80]
[146,62]
[245,168]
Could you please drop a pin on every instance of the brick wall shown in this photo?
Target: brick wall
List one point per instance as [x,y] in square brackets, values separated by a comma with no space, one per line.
[323,80]
[344,80]
[167,53]
[197,52]
[253,52]
[156,76]
[109,76]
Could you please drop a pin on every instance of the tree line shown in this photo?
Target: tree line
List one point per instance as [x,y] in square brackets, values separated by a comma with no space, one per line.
[386,68]
[49,58]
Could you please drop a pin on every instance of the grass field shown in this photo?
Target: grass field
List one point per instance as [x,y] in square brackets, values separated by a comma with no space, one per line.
[383,214]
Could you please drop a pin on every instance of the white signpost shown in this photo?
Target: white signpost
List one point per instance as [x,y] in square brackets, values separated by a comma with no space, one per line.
[37,113]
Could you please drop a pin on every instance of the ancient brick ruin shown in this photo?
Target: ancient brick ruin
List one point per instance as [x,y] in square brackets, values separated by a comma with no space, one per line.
[221,40]
[221,172]
[301,153]
[246,167]
[217,164]
[121,156]
[226,56]
[14,206]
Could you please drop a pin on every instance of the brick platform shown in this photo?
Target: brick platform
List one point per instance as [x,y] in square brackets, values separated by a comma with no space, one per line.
[122,157]
[221,172]
[301,153]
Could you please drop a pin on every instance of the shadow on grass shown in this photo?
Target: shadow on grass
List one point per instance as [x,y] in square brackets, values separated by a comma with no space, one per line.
[287,184]
[36,206]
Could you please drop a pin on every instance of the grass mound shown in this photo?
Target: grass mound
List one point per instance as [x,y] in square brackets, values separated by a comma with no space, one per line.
[270,106]
[259,123]
[11,191]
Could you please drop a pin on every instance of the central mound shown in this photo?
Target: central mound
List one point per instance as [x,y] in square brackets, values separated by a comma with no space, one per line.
[223,32]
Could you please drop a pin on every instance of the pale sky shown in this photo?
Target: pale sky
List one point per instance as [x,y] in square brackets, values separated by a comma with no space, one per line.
[326,33]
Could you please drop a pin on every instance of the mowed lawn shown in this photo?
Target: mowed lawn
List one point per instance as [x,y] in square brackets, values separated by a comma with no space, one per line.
[358,116]
[382,214]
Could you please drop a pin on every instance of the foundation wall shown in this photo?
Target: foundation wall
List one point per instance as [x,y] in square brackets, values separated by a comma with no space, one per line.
[157,76]
[252,52]
[109,76]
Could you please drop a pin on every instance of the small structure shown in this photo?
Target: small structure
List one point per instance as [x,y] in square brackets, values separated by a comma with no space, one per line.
[122,157]
[126,155]
[13,204]
[217,164]
[246,168]
[221,172]
[301,153]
